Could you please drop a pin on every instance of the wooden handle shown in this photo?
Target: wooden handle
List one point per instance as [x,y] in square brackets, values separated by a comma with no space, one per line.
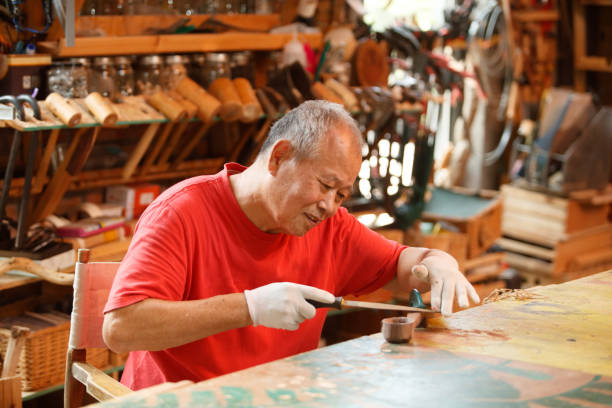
[231,106]
[171,108]
[60,108]
[208,105]
[101,109]
[322,92]
[344,92]
[251,109]
[190,108]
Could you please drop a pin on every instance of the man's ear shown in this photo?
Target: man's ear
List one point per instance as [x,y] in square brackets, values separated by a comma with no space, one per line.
[281,152]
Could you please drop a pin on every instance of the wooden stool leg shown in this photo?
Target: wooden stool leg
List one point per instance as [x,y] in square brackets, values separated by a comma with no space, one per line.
[73,389]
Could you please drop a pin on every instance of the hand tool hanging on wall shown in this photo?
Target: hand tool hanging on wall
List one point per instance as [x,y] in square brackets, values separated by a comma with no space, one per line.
[22,219]
[5,233]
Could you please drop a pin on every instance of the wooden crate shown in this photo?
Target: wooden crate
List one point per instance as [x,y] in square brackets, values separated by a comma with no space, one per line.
[476,216]
[586,249]
[43,359]
[545,219]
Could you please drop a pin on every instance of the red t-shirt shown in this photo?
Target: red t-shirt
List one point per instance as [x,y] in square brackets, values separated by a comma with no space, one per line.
[194,242]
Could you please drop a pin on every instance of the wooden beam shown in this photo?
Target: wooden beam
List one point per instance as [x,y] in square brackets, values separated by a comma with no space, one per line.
[579,45]
[594,63]
[532,16]
[41,173]
[177,43]
[114,26]
[98,384]
[139,150]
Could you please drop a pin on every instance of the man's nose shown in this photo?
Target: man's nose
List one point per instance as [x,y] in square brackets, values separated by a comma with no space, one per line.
[327,204]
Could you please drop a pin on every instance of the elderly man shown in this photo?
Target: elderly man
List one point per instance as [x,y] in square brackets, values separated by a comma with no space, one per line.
[219,268]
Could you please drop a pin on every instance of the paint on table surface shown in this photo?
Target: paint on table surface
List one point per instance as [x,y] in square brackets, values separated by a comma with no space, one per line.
[373,373]
[568,326]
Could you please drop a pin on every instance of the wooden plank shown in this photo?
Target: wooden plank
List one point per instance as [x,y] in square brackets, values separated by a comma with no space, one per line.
[154,153]
[533,196]
[177,43]
[517,205]
[533,16]
[43,167]
[529,264]
[596,2]
[117,25]
[526,248]
[579,45]
[193,142]
[594,63]
[98,384]
[139,151]
[10,392]
[483,260]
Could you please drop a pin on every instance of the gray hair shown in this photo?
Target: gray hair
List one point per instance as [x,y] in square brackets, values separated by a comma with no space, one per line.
[304,126]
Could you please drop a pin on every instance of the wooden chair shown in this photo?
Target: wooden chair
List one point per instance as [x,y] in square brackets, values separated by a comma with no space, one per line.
[92,283]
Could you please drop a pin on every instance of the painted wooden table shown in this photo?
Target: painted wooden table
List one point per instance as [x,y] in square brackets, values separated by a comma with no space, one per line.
[554,350]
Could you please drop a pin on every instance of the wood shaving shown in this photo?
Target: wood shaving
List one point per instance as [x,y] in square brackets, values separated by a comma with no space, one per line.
[517,294]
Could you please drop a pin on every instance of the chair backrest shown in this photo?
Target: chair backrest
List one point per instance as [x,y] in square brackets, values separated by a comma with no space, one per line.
[92,284]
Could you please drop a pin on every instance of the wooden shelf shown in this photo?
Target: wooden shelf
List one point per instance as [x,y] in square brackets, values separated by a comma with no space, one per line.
[532,16]
[115,26]
[174,43]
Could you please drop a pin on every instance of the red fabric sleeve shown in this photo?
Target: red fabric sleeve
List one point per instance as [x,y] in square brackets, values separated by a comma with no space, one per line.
[156,264]
[366,260]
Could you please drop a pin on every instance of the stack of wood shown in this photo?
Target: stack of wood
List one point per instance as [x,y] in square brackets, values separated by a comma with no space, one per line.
[551,239]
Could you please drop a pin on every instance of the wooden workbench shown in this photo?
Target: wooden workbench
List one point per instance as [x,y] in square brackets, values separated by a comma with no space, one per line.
[554,350]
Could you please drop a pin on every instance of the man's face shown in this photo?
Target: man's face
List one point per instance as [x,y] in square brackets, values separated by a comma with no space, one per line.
[308,191]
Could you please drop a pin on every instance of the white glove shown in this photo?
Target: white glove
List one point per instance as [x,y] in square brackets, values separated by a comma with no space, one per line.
[282,305]
[442,272]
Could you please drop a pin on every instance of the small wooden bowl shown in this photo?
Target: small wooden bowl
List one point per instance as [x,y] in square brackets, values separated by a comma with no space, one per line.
[398,329]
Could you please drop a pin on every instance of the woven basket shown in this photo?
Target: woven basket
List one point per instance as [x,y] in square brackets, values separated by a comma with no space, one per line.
[43,358]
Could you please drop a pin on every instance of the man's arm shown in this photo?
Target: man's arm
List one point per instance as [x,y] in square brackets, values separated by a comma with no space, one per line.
[424,268]
[155,324]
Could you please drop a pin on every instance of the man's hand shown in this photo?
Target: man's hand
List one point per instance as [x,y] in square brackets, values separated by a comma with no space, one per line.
[441,271]
[282,305]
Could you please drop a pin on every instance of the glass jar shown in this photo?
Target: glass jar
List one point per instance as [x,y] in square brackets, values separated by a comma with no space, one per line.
[241,66]
[196,66]
[216,65]
[174,71]
[105,77]
[148,77]
[68,78]
[87,67]
[125,76]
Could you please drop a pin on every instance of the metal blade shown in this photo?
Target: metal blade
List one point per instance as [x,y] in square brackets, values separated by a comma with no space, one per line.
[384,306]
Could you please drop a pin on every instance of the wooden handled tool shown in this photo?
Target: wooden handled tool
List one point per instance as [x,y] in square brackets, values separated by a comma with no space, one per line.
[231,105]
[101,109]
[60,108]
[251,109]
[341,303]
[208,105]
[171,108]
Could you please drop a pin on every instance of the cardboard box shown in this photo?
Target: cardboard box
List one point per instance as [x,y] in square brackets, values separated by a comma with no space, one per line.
[133,198]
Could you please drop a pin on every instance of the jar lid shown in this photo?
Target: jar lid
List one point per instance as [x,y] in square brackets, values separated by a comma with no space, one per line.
[176,59]
[241,58]
[151,60]
[103,61]
[81,60]
[198,59]
[123,60]
[216,57]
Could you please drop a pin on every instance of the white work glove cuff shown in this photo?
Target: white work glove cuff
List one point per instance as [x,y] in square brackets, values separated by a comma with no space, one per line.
[250,299]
